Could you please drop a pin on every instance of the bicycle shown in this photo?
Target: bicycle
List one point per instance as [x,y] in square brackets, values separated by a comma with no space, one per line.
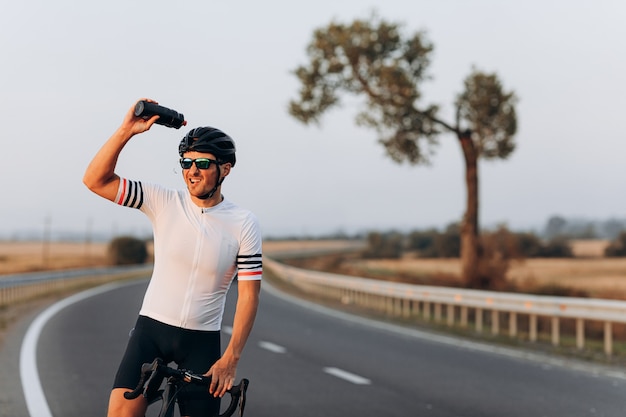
[153,374]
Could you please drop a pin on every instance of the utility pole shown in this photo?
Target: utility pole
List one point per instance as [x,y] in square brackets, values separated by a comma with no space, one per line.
[88,239]
[46,241]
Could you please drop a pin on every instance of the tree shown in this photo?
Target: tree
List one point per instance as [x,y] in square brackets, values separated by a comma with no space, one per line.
[373,59]
[555,227]
[613,227]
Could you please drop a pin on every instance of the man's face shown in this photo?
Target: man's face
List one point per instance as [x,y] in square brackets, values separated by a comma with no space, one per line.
[201,181]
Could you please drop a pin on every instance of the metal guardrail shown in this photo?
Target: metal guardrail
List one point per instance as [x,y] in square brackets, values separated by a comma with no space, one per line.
[396,299]
[21,287]
[455,304]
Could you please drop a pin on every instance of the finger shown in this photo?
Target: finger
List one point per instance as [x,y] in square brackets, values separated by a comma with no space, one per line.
[149,100]
[152,121]
[213,386]
[227,385]
[215,390]
[222,391]
[222,386]
[213,383]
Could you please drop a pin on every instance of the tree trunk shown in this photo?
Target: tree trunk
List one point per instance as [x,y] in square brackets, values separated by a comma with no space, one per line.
[470,245]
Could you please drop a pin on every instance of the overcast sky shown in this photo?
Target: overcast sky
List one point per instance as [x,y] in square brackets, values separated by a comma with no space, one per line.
[71,69]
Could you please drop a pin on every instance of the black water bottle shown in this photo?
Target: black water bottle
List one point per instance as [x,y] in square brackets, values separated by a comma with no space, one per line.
[167,117]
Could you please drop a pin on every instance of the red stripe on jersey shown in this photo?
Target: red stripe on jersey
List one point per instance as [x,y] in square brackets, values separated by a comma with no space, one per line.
[123,194]
[249,273]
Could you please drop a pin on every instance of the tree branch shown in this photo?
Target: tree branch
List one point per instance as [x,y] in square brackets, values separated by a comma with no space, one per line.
[440,122]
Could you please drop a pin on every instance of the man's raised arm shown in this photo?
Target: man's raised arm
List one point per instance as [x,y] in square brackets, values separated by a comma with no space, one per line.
[100,176]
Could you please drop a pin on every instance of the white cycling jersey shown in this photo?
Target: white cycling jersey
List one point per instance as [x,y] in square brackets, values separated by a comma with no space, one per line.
[197,254]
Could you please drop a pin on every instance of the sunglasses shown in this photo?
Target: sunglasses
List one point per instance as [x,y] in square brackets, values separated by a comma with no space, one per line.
[201,163]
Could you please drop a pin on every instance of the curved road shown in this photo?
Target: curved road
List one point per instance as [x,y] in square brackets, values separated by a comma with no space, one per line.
[304,360]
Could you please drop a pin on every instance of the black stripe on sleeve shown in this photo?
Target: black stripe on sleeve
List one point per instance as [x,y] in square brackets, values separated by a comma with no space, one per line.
[250,261]
[140,190]
[134,195]
[129,193]
[135,191]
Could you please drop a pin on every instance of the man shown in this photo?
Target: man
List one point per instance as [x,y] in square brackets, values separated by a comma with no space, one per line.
[202,242]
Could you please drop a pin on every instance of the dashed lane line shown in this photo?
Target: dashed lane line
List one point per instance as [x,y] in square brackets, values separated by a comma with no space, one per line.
[339,373]
[347,376]
[272,347]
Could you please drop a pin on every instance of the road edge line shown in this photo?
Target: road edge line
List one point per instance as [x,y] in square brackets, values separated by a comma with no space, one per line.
[34,396]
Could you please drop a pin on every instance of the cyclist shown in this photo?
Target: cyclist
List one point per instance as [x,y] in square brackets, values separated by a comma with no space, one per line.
[202,241]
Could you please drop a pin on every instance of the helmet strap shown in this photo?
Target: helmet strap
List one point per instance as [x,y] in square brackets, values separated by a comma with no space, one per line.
[217,184]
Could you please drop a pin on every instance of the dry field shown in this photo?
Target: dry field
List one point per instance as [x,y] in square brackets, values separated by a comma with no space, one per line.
[600,277]
[18,257]
[589,271]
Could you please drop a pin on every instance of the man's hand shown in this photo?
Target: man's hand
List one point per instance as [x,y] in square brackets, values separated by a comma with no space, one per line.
[223,371]
[100,176]
[222,375]
[134,125]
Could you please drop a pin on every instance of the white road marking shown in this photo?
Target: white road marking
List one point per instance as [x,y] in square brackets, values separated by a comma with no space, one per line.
[565,363]
[272,347]
[348,376]
[31,384]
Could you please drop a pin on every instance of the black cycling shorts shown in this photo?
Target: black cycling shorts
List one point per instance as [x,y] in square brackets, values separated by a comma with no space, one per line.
[193,350]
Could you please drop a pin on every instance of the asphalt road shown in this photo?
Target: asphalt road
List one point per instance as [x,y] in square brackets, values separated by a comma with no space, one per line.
[307,361]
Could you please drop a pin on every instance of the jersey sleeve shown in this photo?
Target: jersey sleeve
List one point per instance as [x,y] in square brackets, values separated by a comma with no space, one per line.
[147,197]
[130,193]
[250,256]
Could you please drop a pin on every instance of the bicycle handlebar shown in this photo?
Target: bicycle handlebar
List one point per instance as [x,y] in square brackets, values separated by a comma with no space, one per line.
[152,375]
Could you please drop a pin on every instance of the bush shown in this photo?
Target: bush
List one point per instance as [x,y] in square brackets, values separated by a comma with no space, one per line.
[448,243]
[529,245]
[499,246]
[384,246]
[434,244]
[617,247]
[422,241]
[127,250]
[556,248]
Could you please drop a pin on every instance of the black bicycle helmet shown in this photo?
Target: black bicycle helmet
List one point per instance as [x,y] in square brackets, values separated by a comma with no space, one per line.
[209,140]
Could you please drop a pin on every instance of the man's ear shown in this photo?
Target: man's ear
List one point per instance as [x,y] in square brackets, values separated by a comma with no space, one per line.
[226,169]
